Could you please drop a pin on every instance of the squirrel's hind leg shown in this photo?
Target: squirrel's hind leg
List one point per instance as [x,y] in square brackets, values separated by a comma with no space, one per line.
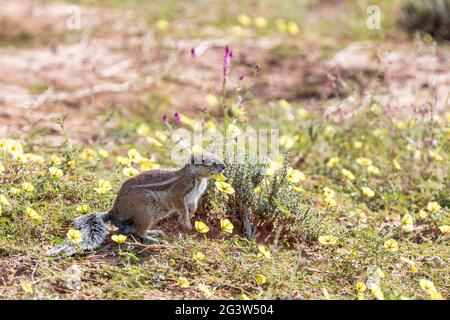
[145,238]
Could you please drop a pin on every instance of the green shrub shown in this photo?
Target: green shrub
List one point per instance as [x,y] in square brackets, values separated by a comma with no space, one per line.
[429,16]
[264,206]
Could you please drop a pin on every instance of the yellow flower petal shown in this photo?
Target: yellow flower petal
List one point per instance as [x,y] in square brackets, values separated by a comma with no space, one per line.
[201,227]
[226,225]
[119,238]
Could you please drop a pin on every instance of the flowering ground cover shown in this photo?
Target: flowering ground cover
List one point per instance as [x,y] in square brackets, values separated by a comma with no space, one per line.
[356,205]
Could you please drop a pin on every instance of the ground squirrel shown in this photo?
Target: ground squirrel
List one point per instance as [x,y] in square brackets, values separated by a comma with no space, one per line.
[145,199]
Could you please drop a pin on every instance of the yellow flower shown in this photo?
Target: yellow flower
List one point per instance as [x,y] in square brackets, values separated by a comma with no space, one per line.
[435,155]
[281,25]
[292,28]
[261,279]
[396,165]
[357,144]
[444,229]
[33,214]
[4,201]
[328,192]
[103,153]
[88,154]
[162,24]
[55,160]
[123,161]
[329,131]
[302,113]
[14,147]
[183,282]
[376,292]
[134,155]
[143,130]
[71,163]
[74,235]
[260,22]
[423,214]
[14,191]
[119,238]
[210,126]
[283,103]
[104,186]
[55,172]
[427,285]
[413,270]
[224,187]
[244,20]
[27,187]
[368,192]
[436,296]
[199,256]
[83,209]
[130,172]
[327,240]
[264,252]
[226,226]
[346,173]
[147,164]
[212,100]
[391,245]
[373,170]
[295,176]
[153,142]
[433,206]
[218,177]
[238,31]
[364,161]
[330,201]
[27,287]
[333,161]
[407,222]
[20,157]
[360,296]
[417,155]
[201,227]
[286,142]
[360,287]
[272,167]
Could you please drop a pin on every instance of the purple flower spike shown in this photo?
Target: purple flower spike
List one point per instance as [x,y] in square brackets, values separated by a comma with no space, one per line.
[193,53]
[165,118]
[226,65]
[258,67]
[177,117]
[241,78]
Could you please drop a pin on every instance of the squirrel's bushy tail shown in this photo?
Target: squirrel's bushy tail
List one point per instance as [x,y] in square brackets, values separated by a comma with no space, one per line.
[93,229]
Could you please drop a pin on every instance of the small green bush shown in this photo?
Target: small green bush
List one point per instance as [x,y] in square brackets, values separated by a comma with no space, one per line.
[264,206]
[427,16]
